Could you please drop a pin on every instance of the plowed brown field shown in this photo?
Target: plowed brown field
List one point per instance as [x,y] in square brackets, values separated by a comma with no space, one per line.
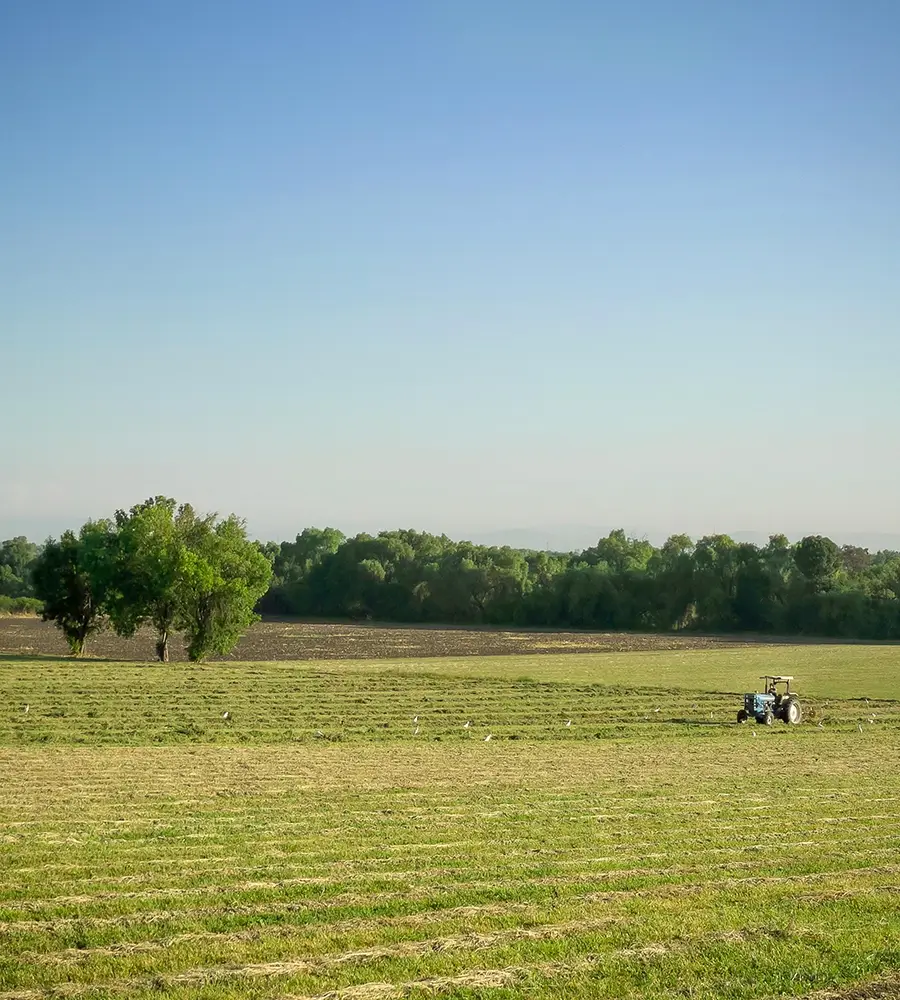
[283,640]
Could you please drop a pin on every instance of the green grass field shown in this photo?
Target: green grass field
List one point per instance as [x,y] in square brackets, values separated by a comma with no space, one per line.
[149,846]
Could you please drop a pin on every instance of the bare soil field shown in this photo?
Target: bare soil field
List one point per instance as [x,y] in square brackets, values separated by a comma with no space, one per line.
[287,640]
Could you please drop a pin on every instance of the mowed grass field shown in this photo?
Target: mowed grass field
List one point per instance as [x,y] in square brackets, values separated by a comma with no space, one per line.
[313,844]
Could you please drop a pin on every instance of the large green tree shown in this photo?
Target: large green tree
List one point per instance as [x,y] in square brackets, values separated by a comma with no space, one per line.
[620,553]
[222,577]
[716,562]
[147,571]
[672,591]
[70,576]
[855,560]
[819,560]
[293,564]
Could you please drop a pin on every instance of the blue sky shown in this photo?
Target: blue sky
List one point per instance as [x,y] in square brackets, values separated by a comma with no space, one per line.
[463,266]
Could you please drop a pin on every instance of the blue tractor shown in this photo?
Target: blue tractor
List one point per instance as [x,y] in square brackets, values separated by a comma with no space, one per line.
[776,702]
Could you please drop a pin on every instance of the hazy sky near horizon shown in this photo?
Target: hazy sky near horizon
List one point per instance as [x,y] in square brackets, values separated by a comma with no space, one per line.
[457,265]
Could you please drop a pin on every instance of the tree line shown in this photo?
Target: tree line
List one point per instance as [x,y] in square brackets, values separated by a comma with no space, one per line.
[162,564]
[17,557]
[714,584]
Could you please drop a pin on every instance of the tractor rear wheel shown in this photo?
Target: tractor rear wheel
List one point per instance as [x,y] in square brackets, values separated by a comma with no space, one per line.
[793,713]
[742,716]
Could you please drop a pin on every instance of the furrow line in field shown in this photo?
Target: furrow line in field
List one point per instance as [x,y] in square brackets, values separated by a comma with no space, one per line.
[276,846]
[141,918]
[276,849]
[350,870]
[439,877]
[318,964]
[661,889]
[883,988]
[313,820]
[471,942]
[351,924]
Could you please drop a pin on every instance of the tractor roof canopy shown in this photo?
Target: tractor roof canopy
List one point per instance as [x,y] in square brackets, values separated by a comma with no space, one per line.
[770,677]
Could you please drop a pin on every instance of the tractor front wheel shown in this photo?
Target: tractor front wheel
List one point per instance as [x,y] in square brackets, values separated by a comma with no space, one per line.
[792,713]
[768,718]
[742,716]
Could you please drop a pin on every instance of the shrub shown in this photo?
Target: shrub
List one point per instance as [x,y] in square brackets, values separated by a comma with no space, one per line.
[20,606]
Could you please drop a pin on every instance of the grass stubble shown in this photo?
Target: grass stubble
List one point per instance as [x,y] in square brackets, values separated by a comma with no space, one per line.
[313,845]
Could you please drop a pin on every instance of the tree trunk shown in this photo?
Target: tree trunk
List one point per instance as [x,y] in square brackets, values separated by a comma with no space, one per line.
[162,646]
[76,637]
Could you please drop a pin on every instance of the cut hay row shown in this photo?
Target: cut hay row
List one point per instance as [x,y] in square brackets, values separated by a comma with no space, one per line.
[436,952]
[731,861]
[282,874]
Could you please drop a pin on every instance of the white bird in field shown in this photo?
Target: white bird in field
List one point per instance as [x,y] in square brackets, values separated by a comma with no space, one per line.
[415,719]
[26,709]
[488,737]
[467,725]
[867,701]
[655,709]
[416,731]
[753,734]
[821,725]
[569,724]
[320,733]
[226,715]
[859,727]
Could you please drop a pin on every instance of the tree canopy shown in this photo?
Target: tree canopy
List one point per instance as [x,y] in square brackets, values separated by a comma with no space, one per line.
[158,564]
[69,578]
[17,557]
[713,584]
